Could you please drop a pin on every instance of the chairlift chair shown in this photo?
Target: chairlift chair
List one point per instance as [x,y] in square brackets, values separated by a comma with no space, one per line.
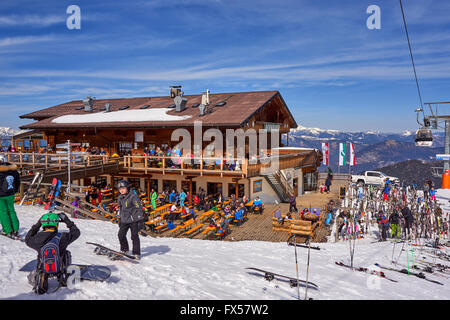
[424,137]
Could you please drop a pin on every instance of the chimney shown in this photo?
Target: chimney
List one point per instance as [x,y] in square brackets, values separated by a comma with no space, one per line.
[88,104]
[177,95]
[204,106]
[107,107]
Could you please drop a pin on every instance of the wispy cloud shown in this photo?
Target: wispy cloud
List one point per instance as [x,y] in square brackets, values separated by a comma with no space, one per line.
[32,20]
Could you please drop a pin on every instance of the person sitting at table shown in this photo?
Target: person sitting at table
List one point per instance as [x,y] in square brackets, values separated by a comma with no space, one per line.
[305,210]
[239,216]
[257,204]
[242,207]
[227,211]
[192,214]
[196,201]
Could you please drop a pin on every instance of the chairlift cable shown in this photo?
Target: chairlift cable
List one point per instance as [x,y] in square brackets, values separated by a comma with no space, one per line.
[412,58]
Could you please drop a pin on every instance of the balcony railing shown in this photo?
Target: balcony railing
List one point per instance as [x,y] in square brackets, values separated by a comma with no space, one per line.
[187,165]
[55,160]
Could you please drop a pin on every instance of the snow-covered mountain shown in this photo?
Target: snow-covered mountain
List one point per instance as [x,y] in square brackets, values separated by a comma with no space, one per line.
[8,132]
[313,137]
[374,149]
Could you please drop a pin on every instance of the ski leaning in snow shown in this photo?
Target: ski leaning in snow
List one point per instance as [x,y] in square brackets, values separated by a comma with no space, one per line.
[269,276]
[87,272]
[36,176]
[404,271]
[112,254]
[366,270]
[51,194]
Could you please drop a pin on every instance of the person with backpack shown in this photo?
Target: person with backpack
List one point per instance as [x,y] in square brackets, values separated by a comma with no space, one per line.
[409,220]
[131,218]
[51,245]
[9,186]
[383,222]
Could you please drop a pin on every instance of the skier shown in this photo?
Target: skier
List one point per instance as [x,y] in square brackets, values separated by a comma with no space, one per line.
[9,185]
[394,220]
[38,240]
[409,220]
[131,218]
[384,224]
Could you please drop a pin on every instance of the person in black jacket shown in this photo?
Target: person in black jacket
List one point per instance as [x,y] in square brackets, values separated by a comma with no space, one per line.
[131,218]
[9,186]
[409,220]
[394,220]
[36,239]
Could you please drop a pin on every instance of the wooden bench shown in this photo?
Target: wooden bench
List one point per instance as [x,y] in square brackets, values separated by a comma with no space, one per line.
[208,231]
[191,231]
[161,227]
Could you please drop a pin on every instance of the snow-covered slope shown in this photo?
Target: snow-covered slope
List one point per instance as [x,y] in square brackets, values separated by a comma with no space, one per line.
[197,269]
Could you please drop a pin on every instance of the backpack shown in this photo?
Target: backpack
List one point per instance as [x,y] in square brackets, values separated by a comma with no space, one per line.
[51,263]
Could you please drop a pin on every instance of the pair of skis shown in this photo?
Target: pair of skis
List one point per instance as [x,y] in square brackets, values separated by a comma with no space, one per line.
[37,180]
[404,271]
[53,194]
[366,270]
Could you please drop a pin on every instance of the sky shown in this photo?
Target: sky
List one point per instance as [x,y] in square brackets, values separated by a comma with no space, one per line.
[330,68]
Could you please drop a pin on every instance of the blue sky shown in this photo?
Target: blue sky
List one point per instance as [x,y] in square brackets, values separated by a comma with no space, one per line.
[333,72]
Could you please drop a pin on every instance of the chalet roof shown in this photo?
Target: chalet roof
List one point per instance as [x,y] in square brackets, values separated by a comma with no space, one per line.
[239,107]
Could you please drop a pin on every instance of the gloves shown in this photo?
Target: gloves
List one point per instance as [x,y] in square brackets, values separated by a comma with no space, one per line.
[64,218]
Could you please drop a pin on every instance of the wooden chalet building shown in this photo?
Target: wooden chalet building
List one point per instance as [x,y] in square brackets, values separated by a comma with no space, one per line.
[126,127]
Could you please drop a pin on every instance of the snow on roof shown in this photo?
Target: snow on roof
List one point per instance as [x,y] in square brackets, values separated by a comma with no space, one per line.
[155,114]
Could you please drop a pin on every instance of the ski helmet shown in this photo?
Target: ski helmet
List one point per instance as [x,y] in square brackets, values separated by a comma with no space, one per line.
[50,219]
[123,184]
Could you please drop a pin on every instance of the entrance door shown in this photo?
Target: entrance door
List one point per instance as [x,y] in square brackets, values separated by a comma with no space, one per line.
[213,188]
[295,182]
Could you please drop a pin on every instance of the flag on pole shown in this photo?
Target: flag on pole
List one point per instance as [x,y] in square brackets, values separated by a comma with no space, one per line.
[325,152]
[352,154]
[342,154]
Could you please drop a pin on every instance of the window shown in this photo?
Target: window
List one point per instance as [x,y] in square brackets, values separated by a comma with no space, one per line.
[232,189]
[101,181]
[145,106]
[135,183]
[169,185]
[185,186]
[257,186]
[309,181]
[125,148]
[213,188]
[124,107]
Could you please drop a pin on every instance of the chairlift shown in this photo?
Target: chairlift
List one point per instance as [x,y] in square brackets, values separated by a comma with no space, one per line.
[424,137]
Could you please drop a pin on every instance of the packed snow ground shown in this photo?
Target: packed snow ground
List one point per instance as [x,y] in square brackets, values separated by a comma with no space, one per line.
[189,269]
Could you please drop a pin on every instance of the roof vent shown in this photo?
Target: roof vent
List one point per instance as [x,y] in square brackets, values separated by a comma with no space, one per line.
[221,104]
[88,103]
[124,107]
[107,107]
[146,106]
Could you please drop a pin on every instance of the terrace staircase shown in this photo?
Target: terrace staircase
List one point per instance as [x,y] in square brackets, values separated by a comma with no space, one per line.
[280,185]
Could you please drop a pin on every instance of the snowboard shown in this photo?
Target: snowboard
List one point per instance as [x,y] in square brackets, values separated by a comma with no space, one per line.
[269,276]
[87,272]
[112,254]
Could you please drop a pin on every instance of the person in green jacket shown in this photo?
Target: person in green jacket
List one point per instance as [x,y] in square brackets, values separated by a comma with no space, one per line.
[153,197]
[9,186]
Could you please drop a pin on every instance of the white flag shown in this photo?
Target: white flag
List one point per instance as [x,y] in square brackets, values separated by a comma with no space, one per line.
[342,154]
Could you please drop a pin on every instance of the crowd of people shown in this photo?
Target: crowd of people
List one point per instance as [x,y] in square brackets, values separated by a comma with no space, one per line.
[400,212]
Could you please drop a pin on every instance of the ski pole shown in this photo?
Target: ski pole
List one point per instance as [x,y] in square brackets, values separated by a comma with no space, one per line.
[307,267]
[296,266]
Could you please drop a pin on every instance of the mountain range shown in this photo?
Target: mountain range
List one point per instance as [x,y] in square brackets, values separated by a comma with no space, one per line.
[372,149]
